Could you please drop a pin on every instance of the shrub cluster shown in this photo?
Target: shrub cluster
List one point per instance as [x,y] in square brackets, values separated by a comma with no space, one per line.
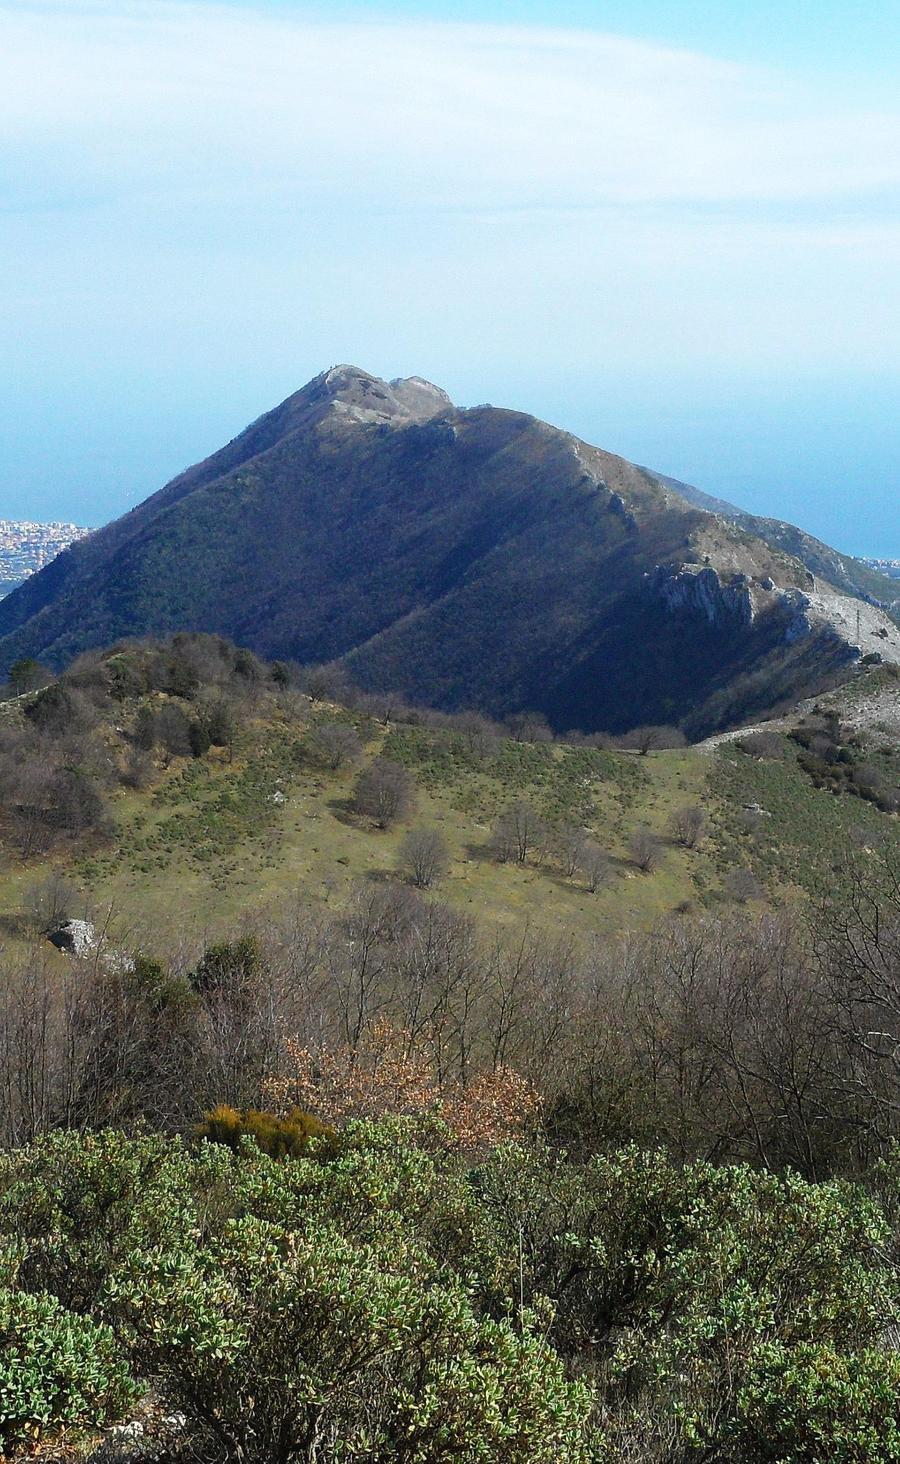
[396,1302]
[837,759]
[111,719]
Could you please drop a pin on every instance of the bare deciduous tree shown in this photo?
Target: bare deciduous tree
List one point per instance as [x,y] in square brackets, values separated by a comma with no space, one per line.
[517,833]
[384,792]
[324,683]
[689,825]
[593,863]
[139,768]
[568,842]
[653,739]
[424,857]
[528,727]
[645,849]
[51,901]
[479,734]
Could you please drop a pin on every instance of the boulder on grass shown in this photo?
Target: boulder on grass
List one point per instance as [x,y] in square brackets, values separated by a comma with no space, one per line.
[75,937]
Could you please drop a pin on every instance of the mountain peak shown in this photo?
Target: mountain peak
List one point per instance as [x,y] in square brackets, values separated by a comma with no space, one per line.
[357,396]
[492,561]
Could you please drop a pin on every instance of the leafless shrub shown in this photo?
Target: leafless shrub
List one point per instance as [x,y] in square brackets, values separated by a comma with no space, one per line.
[577,738]
[762,745]
[645,849]
[172,730]
[335,744]
[753,821]
[293,704]
[75,803]
[424,857]
[61,711]
[382,706]
[138,770]
[742,885]
[384,792]
[689,825]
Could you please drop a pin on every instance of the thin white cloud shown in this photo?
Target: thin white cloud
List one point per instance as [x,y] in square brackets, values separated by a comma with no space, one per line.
[201,103]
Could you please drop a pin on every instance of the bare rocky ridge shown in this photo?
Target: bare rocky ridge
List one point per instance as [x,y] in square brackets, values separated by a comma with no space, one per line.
[357,398]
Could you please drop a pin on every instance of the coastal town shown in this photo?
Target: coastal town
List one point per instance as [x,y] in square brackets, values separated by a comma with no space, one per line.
[26,547]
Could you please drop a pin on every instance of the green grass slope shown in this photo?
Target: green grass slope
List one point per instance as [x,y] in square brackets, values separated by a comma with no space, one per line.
[211,839]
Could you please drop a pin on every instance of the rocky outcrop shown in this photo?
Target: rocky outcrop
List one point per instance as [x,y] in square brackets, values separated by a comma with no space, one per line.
[703,592]
[854,627]
[864,629]
[75,937]
[798,625]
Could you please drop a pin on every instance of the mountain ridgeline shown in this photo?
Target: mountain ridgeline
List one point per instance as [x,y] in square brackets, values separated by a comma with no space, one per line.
[466,558]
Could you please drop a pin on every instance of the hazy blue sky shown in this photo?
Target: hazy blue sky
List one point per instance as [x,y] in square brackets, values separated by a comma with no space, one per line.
[672,228]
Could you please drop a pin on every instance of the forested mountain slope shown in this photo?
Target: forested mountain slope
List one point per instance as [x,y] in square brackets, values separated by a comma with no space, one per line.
[464,557]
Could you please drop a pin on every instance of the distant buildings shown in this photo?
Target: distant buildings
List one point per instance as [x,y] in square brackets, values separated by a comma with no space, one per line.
[890,567]
[26,547]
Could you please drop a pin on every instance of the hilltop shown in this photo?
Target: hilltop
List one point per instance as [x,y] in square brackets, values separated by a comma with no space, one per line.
[466,558]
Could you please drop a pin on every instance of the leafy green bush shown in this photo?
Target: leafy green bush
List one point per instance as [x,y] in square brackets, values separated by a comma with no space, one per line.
[228,966]
[57,1370]
[76,1204]
[670,1281]
[297,1345]
[808,1405]
[397,1302]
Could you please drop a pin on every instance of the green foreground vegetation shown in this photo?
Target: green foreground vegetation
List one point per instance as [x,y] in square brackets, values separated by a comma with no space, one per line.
[394,1299]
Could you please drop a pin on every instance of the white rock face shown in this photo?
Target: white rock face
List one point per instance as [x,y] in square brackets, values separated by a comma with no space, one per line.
[421,398]
[703,592]
[75,937]
[856,622]
[863,628]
